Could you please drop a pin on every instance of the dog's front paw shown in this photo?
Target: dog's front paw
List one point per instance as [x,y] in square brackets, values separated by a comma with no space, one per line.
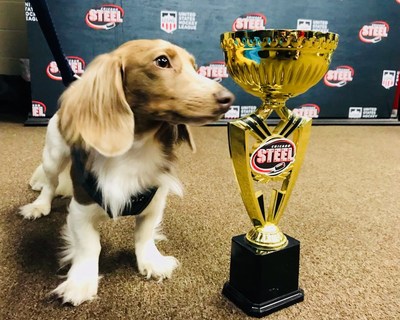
[159,268]
[35,210]
[76,292]
[152,264]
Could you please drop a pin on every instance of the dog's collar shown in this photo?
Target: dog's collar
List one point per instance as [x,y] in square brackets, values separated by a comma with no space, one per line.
[88,181]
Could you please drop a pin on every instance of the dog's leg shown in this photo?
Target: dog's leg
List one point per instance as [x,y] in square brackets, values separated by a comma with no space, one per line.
[45,177]
[151,262]
[82,250]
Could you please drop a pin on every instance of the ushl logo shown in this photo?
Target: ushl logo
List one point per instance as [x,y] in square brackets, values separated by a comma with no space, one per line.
[390,78]
[273,157]
[169,21]
[339,77]
[374,32]
[215,70]
[77,65]
[309,110]
[250,21]
[107,17]
[38,109]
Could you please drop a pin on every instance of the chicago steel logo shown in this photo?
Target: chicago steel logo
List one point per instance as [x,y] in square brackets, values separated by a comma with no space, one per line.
[273,157]
[169,21]
[38,109]
[309,110]
[339,77]
[250,21]
[374,32]
[390,78]
[106,17]
[215,70]
[77,65]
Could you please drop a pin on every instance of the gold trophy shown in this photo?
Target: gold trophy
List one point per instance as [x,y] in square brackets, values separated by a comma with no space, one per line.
[273,65]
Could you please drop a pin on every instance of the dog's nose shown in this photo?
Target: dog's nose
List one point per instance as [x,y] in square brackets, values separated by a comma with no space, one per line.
[224,98]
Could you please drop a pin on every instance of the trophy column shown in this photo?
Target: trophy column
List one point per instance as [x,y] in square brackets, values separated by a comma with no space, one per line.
[264,270]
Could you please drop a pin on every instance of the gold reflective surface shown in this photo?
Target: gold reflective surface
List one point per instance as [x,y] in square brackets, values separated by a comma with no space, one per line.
[273,65]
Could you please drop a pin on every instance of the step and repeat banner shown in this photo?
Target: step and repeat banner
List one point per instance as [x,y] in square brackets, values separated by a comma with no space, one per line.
[360,84]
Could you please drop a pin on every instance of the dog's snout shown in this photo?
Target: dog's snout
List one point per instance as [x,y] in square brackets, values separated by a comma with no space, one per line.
[224,98]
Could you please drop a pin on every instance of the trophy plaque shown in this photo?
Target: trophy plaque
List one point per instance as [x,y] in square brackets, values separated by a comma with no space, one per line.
[273,65]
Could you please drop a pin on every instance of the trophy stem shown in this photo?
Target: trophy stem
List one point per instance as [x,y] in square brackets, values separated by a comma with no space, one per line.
[267,237]
[278,105]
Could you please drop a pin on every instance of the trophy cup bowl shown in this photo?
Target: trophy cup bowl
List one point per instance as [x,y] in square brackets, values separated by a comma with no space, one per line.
[273,65]
[277,64]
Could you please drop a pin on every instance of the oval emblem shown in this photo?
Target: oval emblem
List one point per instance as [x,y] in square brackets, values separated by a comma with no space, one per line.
[273,157]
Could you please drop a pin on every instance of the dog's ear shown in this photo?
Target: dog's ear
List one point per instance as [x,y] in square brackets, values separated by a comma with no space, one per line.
[94,108]
[185,135]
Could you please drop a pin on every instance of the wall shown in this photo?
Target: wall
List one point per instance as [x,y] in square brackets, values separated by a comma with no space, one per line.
[13,37]
[360,84]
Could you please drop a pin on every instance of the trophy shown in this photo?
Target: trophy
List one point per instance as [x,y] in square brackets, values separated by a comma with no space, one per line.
[273,65]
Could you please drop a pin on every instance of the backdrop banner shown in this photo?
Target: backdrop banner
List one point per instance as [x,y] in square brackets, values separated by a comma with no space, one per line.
[360,84]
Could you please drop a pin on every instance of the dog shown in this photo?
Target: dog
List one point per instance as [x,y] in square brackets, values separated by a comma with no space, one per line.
[111,147]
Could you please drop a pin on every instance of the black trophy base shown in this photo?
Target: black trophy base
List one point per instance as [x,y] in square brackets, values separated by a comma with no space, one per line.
[262,282]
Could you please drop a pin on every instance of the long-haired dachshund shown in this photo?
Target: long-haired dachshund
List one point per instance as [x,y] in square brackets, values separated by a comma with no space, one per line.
[111,147]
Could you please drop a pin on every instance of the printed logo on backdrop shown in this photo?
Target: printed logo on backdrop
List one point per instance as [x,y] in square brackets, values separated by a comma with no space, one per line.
[107,17]
[250,21]
[236,112]
[363,112]
[374,32]
[38,109]
[309,110]
[173,20]
[315,25]
[233,113]
[215,70]
[339,77]
[273,157]
[77,65]
[29,13]
[390,78]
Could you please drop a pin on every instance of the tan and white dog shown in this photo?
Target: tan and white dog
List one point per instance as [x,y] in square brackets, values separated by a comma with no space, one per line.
[111,144]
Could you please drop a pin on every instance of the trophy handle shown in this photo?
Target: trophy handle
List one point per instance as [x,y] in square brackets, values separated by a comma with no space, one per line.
[265,232]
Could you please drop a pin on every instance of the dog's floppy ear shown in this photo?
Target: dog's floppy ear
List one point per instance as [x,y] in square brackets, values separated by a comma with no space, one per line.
[94,108]
[185,135]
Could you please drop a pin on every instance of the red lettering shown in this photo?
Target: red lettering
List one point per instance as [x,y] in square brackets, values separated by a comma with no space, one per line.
[93,15]
[37,111]
[261,158]
[53,68]
[105,16]
[339,75]
[76,66]
[213,71]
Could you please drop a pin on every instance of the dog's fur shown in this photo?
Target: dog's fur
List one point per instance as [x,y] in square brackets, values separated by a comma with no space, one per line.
[126,113]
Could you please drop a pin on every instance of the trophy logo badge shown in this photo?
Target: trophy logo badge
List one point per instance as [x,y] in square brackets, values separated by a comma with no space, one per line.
[274,65]
[273,157]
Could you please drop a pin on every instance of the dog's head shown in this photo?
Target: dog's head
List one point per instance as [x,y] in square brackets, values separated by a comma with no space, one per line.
[142,81]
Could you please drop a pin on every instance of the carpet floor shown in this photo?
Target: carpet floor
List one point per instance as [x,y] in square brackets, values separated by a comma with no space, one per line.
[344,210]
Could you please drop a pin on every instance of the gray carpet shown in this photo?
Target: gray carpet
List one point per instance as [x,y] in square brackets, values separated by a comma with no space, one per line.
[344,210]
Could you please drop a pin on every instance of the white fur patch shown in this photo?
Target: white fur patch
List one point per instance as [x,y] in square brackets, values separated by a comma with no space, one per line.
[134,172]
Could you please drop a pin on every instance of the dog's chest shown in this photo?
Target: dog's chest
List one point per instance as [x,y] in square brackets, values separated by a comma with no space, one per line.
[121,178]
[137,169]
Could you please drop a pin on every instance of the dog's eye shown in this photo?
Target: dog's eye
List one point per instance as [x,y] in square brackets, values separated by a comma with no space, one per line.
[162,62]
